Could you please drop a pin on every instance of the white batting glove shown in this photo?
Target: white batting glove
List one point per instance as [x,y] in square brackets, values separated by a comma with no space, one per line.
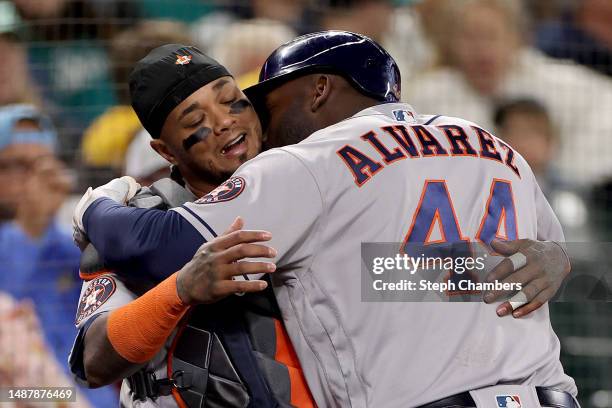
[120,190]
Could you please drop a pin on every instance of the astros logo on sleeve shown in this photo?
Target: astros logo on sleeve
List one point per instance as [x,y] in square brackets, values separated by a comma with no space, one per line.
[97,293]
[225,192]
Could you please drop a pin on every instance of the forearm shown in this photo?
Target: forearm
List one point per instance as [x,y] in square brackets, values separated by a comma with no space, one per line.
[118,343]
[103,365]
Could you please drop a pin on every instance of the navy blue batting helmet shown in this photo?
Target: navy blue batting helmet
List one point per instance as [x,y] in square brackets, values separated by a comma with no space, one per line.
[360,60]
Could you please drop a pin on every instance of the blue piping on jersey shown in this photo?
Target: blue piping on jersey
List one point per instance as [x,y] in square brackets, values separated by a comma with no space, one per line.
[204,223]
[432,119]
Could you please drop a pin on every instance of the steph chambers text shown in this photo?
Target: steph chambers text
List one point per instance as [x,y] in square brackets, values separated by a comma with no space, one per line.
[449,286]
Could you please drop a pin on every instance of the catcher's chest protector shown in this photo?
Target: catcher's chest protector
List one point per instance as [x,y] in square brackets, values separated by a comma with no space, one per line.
[223,355]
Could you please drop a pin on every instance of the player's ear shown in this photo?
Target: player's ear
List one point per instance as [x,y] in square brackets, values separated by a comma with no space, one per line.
[322,90]
[162,149]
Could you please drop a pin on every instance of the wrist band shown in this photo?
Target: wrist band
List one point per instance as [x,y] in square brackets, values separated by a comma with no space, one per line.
[138,330]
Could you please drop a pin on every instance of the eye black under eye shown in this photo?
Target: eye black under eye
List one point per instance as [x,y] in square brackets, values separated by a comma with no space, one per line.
[199,136]
[239,106]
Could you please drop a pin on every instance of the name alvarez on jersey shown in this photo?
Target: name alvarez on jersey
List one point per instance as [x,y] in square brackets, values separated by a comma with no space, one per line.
[457,143]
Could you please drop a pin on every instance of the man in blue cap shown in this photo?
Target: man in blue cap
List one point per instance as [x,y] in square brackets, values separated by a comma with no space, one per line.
[37,258]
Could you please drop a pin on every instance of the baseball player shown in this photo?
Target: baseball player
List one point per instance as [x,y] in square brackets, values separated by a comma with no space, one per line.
[357,178]
[272,376]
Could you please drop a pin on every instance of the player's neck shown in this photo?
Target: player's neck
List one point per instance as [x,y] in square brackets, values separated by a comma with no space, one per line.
[199,188]
[198,184]
[346,106]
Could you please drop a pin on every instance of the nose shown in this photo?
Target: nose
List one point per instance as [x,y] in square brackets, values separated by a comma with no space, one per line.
[223,121]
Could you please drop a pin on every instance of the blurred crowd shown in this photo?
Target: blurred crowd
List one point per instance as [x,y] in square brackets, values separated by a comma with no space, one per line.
[537,73]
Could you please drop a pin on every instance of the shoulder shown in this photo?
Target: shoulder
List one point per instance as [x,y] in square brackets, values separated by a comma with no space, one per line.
[338,133]
[445,120]
[286,159]
[282,167]
[163,194]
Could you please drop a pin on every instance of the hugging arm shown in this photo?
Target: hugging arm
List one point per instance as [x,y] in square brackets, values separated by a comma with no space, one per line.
[152,242]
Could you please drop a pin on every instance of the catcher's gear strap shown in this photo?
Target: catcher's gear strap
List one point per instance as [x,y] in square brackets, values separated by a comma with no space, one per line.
[213,349]
[273,349]
[144,384]
[228,366]
[138,330]
[198,355]
[163,194]
[285,354]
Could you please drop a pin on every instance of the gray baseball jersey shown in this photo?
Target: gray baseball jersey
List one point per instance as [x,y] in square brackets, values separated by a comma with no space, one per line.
[99,296]
[387,175]
[109,291]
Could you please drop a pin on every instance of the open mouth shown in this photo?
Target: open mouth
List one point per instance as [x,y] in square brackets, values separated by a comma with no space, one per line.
[235,146]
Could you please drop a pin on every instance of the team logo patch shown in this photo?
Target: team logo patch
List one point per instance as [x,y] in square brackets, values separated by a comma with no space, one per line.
[225,192]
[508,401]
[183,59]
[402,115]
[97,293]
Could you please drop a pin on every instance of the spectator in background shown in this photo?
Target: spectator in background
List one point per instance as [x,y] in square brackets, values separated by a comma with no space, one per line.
[284,16]
[368,17]
[406,39]
[584,35]
[186,11]
[38,260]
[393,23]
[105,142]
[69,61]
[15,83]
[484,58]
[526,126]
[143,163]
[25,358]
[291,13]
[246,45]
